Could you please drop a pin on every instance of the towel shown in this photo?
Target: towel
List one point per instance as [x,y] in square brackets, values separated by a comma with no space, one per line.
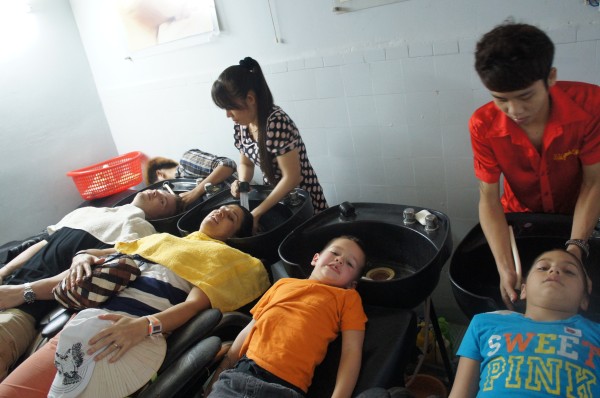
[108,224]
[229,277]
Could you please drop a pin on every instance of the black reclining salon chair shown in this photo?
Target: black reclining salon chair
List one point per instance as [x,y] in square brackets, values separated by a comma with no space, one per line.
[389,343]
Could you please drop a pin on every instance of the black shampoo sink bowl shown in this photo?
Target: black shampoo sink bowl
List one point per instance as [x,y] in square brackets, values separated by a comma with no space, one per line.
[473,273]
[415,255]
[274,225]
[178,185]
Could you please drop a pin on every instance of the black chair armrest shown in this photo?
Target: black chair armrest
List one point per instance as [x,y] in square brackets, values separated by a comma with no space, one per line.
[231,325]
[55,324]
[189,334]
[191,366]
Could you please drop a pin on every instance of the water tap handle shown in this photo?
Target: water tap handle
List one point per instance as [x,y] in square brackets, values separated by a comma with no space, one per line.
[409,215]
[294,198]
[431,223]
[167,186]
[347,210]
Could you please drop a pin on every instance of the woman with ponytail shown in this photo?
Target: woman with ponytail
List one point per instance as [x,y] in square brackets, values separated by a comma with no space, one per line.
[265,136]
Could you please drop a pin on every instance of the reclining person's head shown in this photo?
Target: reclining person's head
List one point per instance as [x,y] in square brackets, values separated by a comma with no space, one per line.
[340,263]
[160,169]
[557,282]
[226,222]
[158,204]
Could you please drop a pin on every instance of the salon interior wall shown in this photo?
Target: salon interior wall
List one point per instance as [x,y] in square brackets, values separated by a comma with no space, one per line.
[51,118]
[382,96]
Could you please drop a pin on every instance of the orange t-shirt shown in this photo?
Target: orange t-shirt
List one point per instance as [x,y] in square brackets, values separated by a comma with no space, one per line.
[296,319]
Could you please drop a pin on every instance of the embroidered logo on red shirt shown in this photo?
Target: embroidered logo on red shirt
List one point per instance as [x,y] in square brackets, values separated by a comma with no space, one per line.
[564,156]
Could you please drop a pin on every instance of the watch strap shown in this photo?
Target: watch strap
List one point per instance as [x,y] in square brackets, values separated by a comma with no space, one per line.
[580,243]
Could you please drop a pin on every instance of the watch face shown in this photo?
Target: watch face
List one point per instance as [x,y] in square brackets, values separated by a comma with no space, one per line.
[29,296]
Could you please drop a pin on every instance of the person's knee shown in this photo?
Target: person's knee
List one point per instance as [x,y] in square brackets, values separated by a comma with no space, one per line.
[17,331]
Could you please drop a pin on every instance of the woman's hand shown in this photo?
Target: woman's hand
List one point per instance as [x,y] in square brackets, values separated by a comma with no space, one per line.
[81,268]
[124,333]
[256,223]
[235,189]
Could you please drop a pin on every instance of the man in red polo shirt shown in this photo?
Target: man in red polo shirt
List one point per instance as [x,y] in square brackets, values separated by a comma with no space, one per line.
[543,136]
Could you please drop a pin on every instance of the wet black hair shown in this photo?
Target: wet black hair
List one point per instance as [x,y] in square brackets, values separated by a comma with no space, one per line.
[231,88]
[179,205]
[513,56]
[247,224]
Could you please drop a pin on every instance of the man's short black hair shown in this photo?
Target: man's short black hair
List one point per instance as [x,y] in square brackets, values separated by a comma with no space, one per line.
[513,56]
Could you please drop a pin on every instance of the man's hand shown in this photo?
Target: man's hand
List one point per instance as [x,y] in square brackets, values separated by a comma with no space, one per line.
[508,278]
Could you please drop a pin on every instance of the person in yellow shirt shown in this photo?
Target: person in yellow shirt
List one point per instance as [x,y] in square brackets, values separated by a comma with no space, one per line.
[179,278]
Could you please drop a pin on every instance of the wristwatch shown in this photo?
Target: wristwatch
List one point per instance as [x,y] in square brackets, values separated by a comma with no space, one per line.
[582,244]
[28,294]
[154,325]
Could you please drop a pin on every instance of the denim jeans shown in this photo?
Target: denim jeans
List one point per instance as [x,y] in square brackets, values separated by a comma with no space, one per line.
[235,383]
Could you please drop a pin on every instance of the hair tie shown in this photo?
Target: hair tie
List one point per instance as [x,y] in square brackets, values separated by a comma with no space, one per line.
[247,63]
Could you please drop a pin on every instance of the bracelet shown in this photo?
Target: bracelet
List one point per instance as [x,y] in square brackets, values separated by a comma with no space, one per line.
[581,244]
[154,325]
[80,252]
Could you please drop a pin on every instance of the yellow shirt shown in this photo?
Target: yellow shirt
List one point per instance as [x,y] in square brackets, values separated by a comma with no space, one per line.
[229,277]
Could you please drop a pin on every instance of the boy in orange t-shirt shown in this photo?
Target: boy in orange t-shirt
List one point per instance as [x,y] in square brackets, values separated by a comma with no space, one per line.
[292,325]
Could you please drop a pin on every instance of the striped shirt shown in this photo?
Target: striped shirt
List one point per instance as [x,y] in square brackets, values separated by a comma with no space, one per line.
[198,164]
[155,290]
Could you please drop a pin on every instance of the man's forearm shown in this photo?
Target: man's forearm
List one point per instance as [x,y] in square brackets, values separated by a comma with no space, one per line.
[587,211]
[587,208]
[495,228]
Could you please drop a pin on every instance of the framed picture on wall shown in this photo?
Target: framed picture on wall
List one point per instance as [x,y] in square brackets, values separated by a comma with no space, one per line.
[157,25]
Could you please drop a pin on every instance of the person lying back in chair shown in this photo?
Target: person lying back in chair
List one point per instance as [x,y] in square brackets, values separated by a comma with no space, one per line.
[292,326]
[179,278]
[550,350]
[83,228]
[193,164]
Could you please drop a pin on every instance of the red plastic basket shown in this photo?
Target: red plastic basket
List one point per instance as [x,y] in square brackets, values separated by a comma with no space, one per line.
[108,177]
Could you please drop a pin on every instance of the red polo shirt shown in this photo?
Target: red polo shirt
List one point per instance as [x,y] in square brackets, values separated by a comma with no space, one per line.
[548,182]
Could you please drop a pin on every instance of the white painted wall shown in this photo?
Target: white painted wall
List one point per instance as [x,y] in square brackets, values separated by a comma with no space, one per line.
[51,118]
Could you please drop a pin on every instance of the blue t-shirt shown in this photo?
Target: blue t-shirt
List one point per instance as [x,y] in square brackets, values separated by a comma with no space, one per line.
[521,357]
